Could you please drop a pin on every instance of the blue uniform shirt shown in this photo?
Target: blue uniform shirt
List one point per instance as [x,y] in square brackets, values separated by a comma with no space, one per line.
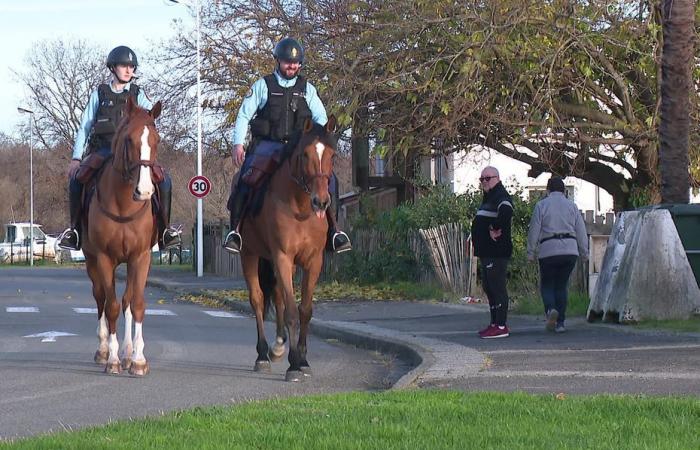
[88,118]
[257,97]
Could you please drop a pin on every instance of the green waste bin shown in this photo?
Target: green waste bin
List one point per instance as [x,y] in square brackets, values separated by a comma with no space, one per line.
[686,217]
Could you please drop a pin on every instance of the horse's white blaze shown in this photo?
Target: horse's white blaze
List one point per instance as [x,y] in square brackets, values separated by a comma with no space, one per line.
[138,343]
[145,186]
[280,341]
[126,343]
[102,333]
[113,349]
[320,148]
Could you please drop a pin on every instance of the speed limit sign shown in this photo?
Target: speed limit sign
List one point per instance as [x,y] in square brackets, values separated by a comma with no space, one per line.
[199,186]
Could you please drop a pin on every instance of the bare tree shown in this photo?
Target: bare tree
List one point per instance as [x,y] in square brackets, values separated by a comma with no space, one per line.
[59,78]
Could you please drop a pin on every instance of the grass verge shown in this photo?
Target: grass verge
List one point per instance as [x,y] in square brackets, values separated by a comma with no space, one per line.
[407,420]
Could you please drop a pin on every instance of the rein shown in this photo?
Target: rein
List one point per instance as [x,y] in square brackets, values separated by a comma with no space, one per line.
[127,173]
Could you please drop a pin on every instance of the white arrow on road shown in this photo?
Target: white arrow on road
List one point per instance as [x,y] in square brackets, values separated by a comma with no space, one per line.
[50,336]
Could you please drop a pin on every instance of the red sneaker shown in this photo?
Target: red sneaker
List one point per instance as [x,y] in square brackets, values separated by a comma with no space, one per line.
[496,332]
[491,325]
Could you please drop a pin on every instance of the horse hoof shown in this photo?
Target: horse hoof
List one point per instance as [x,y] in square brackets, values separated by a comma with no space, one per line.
[113,368]
[126,363]
[276,356]
[294,376]
[101,357]
[262,366]
[139,369]
[306,370]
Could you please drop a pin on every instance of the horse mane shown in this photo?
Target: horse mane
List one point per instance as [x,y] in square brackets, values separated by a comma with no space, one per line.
[297,141]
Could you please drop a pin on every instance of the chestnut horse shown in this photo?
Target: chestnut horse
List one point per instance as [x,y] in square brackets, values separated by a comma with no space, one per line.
[120,228]
[290,230]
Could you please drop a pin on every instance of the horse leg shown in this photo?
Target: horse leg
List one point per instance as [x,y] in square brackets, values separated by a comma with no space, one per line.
[308,283]
[279,348]
[105,274]
[283,272]
[137,275]
[127,347]
[99,293]
[250,265]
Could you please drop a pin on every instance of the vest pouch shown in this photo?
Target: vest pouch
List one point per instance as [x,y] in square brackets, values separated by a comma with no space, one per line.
[260,127]
[89,166]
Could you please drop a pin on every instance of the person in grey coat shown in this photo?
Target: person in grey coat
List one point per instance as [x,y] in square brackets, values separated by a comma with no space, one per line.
[557,235]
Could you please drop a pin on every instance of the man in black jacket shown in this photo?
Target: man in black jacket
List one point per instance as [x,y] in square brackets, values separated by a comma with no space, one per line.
[493,245]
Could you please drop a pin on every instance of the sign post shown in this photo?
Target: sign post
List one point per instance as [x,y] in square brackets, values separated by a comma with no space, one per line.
[199,186]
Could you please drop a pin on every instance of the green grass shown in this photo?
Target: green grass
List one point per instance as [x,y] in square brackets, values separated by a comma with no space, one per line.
[407,420]
[531,304]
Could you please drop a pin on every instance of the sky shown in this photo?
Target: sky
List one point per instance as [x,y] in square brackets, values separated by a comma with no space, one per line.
[134,23]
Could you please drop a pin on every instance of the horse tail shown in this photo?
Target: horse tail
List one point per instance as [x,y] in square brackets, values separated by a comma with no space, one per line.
[266,276]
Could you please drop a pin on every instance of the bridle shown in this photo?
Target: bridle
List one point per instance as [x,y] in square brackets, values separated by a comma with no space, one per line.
[129,168]
[303,180]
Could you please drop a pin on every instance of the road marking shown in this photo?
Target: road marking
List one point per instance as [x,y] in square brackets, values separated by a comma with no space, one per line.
[85,310]
[50,336]
[22,309]
[224,314]
[160,312]
[553,351]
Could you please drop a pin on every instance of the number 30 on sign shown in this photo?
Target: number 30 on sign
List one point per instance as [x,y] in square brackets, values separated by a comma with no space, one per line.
[199,186]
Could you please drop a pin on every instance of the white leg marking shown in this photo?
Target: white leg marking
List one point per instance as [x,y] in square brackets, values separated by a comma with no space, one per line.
[113,349]
[102,333]
[320,148]
[126,342]
[145,186]
[138,343]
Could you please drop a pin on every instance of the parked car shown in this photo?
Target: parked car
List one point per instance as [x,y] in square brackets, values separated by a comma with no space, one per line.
[15,245]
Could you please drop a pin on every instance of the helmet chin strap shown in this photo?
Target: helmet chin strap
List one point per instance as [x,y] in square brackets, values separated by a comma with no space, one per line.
[133,77]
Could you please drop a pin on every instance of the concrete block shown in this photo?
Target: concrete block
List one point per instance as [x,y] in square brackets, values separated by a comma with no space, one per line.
[645,272]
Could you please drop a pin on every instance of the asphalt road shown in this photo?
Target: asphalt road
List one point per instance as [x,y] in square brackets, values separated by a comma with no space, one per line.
[50,382]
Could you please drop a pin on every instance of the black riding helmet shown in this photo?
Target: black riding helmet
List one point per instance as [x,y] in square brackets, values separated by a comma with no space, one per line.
[122,55]
[289,49]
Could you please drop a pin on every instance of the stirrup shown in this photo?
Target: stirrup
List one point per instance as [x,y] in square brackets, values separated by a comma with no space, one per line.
[344,246]
[173,235]
[233,242]
[69,240]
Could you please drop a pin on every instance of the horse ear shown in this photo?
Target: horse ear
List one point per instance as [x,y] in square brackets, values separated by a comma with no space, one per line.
[331,125]
[130,105]
[308,125]
[155,111]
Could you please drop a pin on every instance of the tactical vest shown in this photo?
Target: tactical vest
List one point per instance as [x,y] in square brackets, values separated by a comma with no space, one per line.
[109,112]
[285,111]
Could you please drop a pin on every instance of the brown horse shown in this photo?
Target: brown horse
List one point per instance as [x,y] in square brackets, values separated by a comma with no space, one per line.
[120,228]
[290,230]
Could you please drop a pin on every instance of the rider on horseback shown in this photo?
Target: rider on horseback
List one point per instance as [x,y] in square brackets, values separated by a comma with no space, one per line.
[275,107]
[99,123]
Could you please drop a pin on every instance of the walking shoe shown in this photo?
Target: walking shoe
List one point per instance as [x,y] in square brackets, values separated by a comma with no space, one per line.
[69,240]
[233,242]
[496,332]
[560,328]
[552,316]
[491,325]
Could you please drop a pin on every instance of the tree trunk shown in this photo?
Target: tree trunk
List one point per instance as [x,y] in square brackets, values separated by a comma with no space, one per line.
[678,21]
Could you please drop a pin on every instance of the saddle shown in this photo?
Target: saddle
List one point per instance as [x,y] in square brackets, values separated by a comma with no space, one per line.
[263,164]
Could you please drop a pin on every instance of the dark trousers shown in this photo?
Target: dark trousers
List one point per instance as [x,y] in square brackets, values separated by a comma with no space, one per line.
[554,279]
[494,279]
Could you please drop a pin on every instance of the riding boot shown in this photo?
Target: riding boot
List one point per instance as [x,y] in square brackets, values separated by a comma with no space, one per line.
[339,241]
[233,243]
[168,237]
[70,238]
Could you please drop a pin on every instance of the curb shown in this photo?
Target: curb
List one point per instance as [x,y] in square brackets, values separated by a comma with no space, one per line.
[421,359]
